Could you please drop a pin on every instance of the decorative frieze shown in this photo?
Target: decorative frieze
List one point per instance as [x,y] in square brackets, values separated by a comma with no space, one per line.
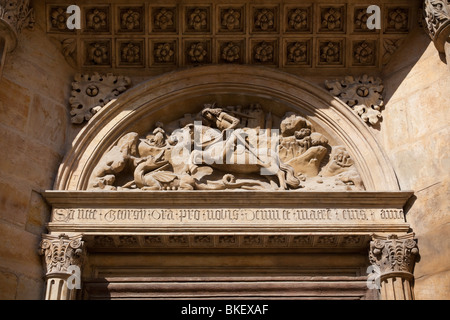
[363,94]
[142,242]
[91,92]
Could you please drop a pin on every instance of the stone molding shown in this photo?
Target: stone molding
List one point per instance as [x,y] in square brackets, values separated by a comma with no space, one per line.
[217,213]
[437,22]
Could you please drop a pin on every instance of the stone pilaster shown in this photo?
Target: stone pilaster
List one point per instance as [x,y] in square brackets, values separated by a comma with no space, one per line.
[63,260]
[394,258]
[437,19]
[14,16]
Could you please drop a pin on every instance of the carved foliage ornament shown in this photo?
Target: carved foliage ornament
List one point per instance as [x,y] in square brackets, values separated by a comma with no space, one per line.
[91,93]
[61,252]
[17,13]
[437,18]
[363,94]
[394,254]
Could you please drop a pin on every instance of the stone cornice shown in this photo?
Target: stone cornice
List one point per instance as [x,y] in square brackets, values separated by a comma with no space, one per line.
[235,199]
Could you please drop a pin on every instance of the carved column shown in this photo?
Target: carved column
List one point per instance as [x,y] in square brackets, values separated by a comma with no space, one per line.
[63,259]
[14,16]
[437,18]
[393,258]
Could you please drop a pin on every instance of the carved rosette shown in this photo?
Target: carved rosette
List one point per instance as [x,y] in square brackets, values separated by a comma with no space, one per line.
[362,94]
[394,258]
[91,93]
[61,252]
[437,19]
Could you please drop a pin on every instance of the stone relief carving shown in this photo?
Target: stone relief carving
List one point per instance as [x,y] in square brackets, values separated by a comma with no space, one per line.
[394,254]
[363,94]
[437,19]
[264,19]
[231,148]
[332,19]
[17,13]
[231,19]
[398,19]
[91,92]
[61,252]
[298,19]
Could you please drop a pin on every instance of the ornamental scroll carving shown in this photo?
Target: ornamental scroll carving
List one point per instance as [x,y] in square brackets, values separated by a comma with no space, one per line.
[61,252]
[91,92]
[437,19]
[227,148]
[363,94]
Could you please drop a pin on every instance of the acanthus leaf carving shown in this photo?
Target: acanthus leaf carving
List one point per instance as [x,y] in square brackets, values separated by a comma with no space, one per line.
[17,13]
[92,92]
[227,148]
[363,94]
[394,253]
[61,252]
[437,19]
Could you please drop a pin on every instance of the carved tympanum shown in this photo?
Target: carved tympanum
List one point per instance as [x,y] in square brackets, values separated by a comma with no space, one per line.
[227,149]
[91,92]
[363,94]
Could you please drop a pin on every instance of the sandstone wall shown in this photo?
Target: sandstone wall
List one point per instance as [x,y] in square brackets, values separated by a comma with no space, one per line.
[33,127]
[416,136]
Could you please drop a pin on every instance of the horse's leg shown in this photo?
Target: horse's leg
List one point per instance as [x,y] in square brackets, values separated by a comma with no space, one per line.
[282,179]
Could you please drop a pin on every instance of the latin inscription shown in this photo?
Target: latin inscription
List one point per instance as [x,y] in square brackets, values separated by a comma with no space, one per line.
[220,216]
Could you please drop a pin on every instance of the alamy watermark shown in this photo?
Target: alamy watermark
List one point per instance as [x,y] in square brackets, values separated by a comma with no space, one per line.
[374,277]
[74,281]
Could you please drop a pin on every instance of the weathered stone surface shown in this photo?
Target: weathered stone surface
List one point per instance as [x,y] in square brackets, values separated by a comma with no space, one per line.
[8,283]
[18,251]
[14,104]
[14,198]
[416,137]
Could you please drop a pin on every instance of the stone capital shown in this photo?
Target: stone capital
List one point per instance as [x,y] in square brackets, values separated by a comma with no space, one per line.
[394,254]
[61,253]
[437,19]
[14,16]
[393,258]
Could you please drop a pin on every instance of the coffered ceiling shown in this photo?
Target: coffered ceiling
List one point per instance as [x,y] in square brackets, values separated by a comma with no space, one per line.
[153,37]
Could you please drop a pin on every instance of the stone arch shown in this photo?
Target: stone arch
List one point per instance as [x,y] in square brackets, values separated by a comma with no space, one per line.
[159,96]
